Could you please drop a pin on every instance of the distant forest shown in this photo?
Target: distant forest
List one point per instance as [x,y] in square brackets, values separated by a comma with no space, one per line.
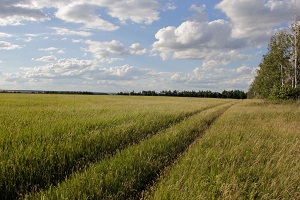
[231,94]
[52,92]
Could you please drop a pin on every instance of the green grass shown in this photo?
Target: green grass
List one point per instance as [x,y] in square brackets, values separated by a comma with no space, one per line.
[45,138]
[131,170]
[251,152]
[117,147]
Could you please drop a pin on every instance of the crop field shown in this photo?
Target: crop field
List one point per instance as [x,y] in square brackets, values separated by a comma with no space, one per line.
[130,147]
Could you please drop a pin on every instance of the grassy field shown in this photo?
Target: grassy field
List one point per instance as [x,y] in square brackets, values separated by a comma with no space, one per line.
[117,147]
[251,152]
[45,138]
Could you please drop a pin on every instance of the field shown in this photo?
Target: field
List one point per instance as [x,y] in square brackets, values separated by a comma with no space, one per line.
[117,147]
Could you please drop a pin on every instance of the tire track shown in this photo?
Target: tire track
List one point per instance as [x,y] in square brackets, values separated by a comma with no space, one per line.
[22,182]
[129,172]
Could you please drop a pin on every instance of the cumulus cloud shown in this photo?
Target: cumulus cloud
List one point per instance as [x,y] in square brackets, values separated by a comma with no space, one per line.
[14,12]
[124,72]
[219,42]
[104,51]
[90,75]
[8,46]
[81,70]
[110,51]
[217,78]
[84,13]
[137,49]
[255,19]
[84,75]
[63,68]
[138,11]
[207,41]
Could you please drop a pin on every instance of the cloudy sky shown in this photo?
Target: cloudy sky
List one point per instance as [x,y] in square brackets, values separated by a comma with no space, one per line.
[125,45]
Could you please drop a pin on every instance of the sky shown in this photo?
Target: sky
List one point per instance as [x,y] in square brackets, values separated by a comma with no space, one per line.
[135,45]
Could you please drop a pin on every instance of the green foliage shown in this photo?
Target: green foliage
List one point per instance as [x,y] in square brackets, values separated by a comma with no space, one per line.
[285,93]
[226,94]
[275,74]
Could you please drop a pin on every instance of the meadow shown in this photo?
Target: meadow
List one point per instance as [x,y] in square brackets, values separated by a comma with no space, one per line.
[128,147]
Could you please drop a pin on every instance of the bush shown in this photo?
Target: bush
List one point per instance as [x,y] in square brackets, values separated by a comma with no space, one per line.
[285,93]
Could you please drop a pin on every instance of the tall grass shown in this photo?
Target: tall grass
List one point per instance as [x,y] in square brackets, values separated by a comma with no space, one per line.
[251,152]
[126,174]
[45,138]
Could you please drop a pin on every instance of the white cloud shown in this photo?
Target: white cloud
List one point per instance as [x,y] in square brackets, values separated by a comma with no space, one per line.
[138,11]
[8,46]
[217,78]
[199,14]
[53,49]
[110,51]
[84,13]
[14,12]
[198,9]
[84,70]
[90,75]
[137,49]
[169,6]
[5,35]
[76,74]
[77,41]
[125,72]
[210,42]
[50,58]
[255,19]
[61,51]
[29,39]
[105,50]
[49,49]
[60,69]
[33,35]
[219,42]
[65,31]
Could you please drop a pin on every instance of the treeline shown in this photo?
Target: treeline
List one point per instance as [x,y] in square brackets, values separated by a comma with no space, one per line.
[231,94]
[52,92]
[69,92]
[278,76]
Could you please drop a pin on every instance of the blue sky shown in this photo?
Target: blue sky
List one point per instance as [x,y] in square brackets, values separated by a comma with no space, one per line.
[125,45]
